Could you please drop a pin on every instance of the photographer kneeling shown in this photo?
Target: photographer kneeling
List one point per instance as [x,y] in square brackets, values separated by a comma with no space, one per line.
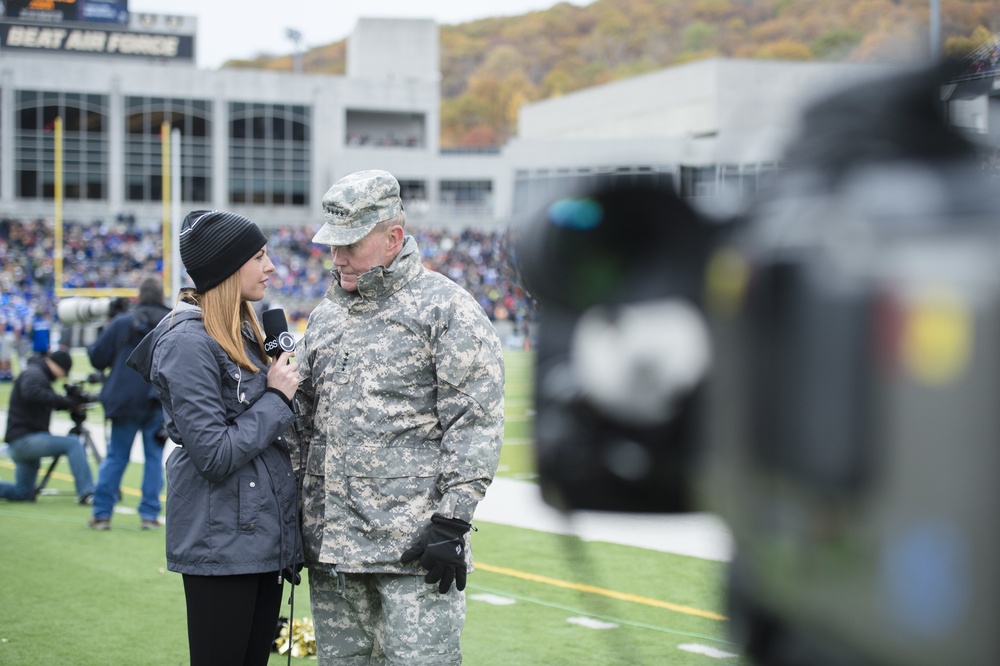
[31,403]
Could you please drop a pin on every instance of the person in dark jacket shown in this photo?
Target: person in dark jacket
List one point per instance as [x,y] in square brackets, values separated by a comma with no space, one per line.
[232,512]
[29,440]
[133,406]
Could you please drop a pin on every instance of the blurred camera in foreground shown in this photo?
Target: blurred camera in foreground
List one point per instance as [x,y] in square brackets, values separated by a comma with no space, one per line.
[821,371]
[78,310]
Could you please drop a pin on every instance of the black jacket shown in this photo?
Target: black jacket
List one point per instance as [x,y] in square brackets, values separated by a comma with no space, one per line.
[125,393]
[32,400]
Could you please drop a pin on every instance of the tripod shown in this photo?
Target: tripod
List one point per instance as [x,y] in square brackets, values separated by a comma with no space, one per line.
[80,431]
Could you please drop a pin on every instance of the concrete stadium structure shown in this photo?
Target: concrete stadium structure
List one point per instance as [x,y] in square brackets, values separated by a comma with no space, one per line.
[268,144]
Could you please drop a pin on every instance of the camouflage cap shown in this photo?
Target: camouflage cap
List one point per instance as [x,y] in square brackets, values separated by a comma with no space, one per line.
[355,204]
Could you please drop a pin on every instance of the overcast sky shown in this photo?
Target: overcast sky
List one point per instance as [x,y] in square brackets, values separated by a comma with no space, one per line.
[243,29]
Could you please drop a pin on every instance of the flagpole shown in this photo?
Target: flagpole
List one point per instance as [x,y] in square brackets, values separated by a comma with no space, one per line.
[166,235]
[175,236]
[58,197]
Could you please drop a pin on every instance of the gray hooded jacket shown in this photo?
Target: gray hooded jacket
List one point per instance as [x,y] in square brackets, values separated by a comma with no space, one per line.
[231,497]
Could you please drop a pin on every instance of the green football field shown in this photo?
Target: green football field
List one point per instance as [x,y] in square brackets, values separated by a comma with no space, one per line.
[74,596]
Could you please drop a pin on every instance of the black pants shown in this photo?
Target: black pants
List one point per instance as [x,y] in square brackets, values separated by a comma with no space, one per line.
[232,619]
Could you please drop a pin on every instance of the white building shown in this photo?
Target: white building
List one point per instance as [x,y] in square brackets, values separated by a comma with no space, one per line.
[266,144]
[710,128]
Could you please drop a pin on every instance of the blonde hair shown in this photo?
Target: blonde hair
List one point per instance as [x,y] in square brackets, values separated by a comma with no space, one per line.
[224,313]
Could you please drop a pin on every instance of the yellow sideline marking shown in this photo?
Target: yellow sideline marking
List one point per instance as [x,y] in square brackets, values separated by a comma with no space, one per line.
[523,575]
[622,596]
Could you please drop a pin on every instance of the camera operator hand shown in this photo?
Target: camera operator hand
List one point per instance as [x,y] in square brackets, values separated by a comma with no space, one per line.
[283,375]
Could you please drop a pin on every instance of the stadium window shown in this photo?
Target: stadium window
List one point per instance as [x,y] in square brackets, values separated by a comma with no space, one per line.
[85,144]
[28,119]
[259,128]
[71,122]
[95,190]
[465,196]
[27,184]
[273,155]
[278,129]
[94,122]
[133,187]
[238,129]
[199,126]
[384,129]
[144,146]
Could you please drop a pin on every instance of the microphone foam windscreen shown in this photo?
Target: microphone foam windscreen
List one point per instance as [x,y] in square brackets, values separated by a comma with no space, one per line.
[274,322]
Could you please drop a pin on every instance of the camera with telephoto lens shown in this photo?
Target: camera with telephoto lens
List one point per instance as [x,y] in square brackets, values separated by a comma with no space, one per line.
[79,397]
[821,371]
[79,310]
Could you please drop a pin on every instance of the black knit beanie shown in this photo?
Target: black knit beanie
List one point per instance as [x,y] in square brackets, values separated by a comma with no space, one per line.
[62,358]
[215,244]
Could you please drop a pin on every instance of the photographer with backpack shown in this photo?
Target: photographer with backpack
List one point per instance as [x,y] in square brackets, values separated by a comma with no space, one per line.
[133,406]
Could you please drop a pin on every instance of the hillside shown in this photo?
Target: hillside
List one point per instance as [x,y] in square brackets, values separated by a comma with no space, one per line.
[492,66]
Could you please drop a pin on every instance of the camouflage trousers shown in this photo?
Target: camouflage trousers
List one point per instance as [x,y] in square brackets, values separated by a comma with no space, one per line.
[384,619]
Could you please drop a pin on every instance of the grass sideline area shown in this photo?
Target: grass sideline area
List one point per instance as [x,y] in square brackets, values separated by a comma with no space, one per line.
[77,596]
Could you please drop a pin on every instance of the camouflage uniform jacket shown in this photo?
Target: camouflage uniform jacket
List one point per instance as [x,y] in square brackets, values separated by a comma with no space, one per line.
[402,396]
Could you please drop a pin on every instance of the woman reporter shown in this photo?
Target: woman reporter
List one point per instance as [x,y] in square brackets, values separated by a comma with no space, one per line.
[231,519]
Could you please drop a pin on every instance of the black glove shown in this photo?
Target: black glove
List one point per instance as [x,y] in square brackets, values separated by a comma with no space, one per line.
[441,550]
[291,574]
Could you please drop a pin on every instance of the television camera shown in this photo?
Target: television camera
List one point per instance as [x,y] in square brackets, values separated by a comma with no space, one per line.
[79,310]
[79,396]
[821,370]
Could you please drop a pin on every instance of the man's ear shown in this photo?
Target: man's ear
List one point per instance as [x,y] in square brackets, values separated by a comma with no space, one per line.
[395,240]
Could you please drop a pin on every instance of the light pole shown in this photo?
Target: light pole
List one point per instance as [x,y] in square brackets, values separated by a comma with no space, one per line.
[296,37]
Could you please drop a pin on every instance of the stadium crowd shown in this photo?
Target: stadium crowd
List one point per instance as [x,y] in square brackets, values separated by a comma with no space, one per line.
[118,253]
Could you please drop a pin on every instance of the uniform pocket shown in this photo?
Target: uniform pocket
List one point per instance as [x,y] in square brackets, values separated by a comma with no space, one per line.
[250,503]
[390,488]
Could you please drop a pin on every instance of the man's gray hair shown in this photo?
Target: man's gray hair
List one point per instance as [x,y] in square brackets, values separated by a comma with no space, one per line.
[399,219]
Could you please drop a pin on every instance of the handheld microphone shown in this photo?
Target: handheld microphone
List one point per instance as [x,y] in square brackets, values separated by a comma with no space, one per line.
[277,339]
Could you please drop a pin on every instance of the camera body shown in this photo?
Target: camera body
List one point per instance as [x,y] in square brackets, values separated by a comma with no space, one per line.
[78,396]
[76,393]
[839,415]
[847,429]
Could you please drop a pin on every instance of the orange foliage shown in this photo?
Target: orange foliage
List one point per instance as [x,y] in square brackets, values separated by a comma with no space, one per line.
[480,136]
[490,67]
[785,49]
